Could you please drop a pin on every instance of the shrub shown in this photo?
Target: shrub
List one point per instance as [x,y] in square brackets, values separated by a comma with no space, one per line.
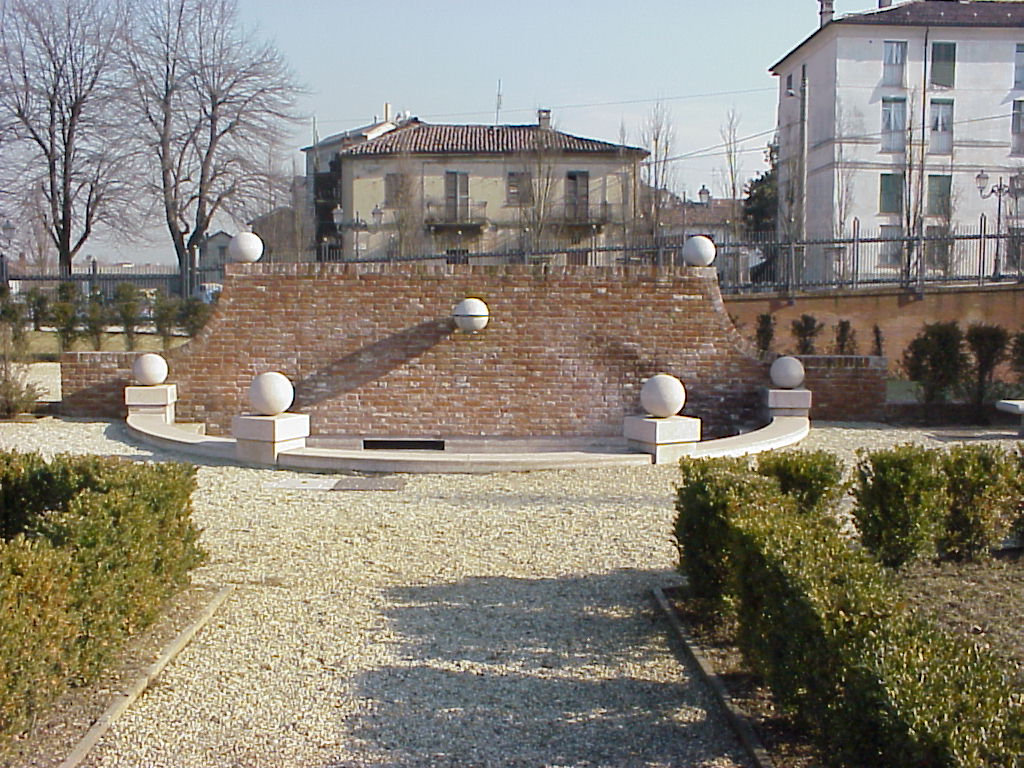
[935,360]
[128,308]
[846,339]
[38,307]
[765,332]
[878,342]
[17,395]
[806,330]
[988,345]
[194,315]
[823,624]
[65,321]
[95,318]
[109,541]
[1017,355]
[813,479]
[981,484]
[166,310]
[711,491]
[901,502]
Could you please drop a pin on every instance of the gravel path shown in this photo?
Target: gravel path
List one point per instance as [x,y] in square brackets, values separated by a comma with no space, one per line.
[496,620]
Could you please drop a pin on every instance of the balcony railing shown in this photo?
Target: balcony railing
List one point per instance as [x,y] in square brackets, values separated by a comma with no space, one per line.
[455,213]
[596,213]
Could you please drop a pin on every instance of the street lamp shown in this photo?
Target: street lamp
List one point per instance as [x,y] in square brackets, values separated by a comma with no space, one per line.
[6,235]
[1014,189]
[704,195]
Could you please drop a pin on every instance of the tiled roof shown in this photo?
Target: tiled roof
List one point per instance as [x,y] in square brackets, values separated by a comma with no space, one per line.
[417,138]
[944,13]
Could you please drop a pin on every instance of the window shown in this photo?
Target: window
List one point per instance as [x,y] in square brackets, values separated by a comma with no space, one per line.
[890,194]
[1018,67]
[456,196]
[394,186]
[894,125]
[518,188]
[1017,128]
[943,64]
[789,84]
[577,195]
[939,200]
[941,139]
[891,247]
[893,62]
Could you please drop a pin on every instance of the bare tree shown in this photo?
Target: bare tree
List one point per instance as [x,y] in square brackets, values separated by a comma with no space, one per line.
[210,98]
[657,136]
[733,171]
[59,100]
[848,124]
[537,188]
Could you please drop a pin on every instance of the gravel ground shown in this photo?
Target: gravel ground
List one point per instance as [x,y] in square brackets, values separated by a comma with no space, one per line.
[496,620]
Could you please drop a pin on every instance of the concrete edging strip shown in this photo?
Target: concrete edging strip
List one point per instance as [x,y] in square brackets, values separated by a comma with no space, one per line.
[738,719]
[117,708]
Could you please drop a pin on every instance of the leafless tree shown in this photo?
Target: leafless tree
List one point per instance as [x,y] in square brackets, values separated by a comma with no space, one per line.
[849,123]
[537,189]
[657,136]
[59,105]
[733,172]
[408,210]
[210,98]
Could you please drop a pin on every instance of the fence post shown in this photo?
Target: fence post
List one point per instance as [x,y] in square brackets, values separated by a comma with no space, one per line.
[856,252]
[790,267]
[982,228]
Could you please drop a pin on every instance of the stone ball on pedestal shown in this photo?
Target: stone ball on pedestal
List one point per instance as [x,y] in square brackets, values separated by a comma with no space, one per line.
[471,315]
[271,393]
[787,372]
[245,248]
[663,395]
[699,251]
[149,369]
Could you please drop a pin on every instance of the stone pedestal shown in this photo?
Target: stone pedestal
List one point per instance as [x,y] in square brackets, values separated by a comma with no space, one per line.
[788,402]
[259,439]
[156,400]
[666,439]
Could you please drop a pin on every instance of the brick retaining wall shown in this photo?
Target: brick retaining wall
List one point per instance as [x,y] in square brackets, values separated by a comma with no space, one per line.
[372,351]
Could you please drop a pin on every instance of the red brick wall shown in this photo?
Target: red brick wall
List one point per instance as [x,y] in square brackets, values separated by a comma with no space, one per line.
[846,388]
[372,351]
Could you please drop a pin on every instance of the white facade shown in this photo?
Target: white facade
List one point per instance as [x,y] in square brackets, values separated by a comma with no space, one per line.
[883,129]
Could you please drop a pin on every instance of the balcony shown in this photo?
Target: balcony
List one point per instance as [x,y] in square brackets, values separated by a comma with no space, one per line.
[596,215]
[452,214]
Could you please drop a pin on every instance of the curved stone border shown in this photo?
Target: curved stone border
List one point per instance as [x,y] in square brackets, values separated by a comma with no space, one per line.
[738,719]
[782,431]
[118,707]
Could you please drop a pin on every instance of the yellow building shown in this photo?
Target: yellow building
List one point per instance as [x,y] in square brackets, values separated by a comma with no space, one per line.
[404,188]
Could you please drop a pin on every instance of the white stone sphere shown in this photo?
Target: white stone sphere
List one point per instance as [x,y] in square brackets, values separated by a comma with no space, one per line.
[663,395]
[787,372]
[271,393]
[245,248]
[471,315]
[149,369]
[699,251]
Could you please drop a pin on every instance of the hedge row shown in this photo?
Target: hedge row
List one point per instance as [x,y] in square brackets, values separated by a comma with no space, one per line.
[957,503]
[90,548]
[822,622]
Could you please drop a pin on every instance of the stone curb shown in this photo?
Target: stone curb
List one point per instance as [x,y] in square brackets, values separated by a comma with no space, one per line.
[118,707]
[738,719]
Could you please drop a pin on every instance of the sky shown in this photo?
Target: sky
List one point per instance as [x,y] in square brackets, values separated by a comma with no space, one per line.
[599,66]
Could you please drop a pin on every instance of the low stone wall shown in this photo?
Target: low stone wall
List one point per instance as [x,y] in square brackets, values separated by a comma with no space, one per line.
[372,350]
[846,388]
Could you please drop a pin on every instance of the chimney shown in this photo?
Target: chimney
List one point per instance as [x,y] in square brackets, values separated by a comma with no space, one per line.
[544,119]
[387,111]
[827,11]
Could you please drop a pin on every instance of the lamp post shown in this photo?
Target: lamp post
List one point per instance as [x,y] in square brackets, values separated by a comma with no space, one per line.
[704,195]
[1014,189]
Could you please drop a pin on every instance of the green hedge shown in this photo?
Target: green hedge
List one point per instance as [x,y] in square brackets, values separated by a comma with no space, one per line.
[822,622]
[91,549]
[813,479]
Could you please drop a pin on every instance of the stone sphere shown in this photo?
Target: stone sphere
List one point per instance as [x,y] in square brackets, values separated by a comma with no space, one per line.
[245,248]
[271,393]
[149,369]
[471,315]
[787,372]
[663,395]
[699,251]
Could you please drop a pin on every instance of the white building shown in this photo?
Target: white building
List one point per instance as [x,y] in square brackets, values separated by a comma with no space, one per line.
[886,120]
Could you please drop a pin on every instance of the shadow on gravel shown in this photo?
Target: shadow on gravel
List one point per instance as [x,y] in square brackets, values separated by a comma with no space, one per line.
[530,672]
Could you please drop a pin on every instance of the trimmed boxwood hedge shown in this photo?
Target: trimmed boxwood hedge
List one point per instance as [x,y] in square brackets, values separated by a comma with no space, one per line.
[823,623]
[91,548]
